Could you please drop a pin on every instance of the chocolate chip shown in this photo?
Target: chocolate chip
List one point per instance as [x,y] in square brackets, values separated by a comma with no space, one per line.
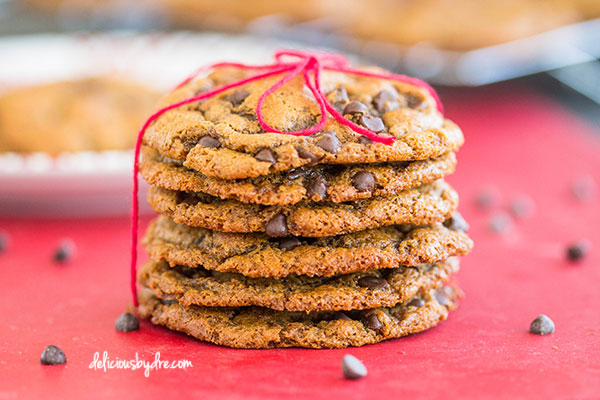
[500,223]
[210,142]
[239,96]
[329,142]
[372,282]
[52,355]
[374,124]
[578,251]
[487,198]
[277,226]
[457,222]
[64,252]
[443,296]
[127,322]
[294,174]
[371,321]
[289,243]
[266,155]
[415,101]
[307,155]
[338,96]
[364,140]
[317,187]
[542,325]
[583,188]
[383,101]
[522,207]
[341,316]
[189,143]
[416,302]
[355,107]
[352,368]
[363,181]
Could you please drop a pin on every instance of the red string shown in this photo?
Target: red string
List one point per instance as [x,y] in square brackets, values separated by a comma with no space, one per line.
[310,65]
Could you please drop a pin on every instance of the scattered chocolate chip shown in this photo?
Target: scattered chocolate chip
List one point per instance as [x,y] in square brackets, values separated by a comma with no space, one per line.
[210,142]
[500,222]
[64,252]
[578,251]
[52,355]
[374,124]
[542,325]
[4,241]
[352,368]
[329,142]
[127,322]
[583,187]
[289,243]
[307,155]
[338,96]
[416,302]
[355,107]
[364,140]
[457,223]
[341,316]
[294,174]
[487,198]
[415,101]
[266,155]
[239,96]
[372,282]
[383,101]
[277,226]
[522,207]
[371,321]
[317,186]
[363,181]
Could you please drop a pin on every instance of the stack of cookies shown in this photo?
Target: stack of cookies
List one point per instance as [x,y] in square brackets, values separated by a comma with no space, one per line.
[329,240]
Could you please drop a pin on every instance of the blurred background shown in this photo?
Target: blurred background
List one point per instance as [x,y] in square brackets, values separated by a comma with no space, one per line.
[79,77]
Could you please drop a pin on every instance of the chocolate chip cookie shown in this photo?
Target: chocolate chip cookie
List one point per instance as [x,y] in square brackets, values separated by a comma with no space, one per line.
[221,137]
[333,183]
[257,255]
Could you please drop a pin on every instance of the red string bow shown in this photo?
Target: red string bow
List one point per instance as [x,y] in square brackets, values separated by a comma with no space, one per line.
[291,63]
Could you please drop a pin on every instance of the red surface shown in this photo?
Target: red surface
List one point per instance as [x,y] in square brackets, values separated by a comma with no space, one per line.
[516,140]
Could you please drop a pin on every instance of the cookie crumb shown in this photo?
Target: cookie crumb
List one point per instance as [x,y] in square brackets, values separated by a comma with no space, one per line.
[353,368]
[578,251]
[127,322]
[53,355]
[64,252]
[542,325]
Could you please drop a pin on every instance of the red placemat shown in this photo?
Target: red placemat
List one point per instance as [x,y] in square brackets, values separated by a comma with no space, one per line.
[517,141]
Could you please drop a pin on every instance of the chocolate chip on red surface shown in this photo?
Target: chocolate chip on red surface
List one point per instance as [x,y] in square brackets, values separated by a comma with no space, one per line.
[383,101]
[371,321]
[289,243]
[583,187]
[487,198]
[239,96]
[500,222]
[374,124]
[210,142]
[307,155]
[355,107]
[363,181]
[127,322]
[457,222]
[266,155]
[277,226]
[578,251]
[522,207]
[372,282]
[317,187]
[52,355]
[64,252]
[542,325]
[329,142]
[352,368]
[416,302]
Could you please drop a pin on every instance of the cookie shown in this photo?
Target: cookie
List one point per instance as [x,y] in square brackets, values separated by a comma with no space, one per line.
[358,291]
[334,183]
[221,137]
[425,204]
[91,114]
[257,255]
[257,328]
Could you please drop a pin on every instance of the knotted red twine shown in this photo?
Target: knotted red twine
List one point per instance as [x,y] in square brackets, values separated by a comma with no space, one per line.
[291,63]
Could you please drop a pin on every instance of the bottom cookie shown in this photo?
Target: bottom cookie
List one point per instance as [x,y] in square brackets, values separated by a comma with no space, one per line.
[257,328]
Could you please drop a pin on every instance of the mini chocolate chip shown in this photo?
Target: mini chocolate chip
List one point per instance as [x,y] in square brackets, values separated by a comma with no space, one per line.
[329,142]
[289,243]
[457,222]
[317,186]
[374,124]
[210,142]
[352,368]
[372,282]
[384,99]
[415,101]
[341,316]
[355,107]
[416,302]
[583,188]
[127,322]
[294,174]
[371,321]
[522,207]
[277,226]
[578,251]
[52,355]
[266,155]
[364,140]
[363,181]
[500,223]
[64,252]
[542,325]
[239,96]
[487,198]
[307,155]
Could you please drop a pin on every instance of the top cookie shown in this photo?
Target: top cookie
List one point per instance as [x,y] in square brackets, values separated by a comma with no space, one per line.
[221,137]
